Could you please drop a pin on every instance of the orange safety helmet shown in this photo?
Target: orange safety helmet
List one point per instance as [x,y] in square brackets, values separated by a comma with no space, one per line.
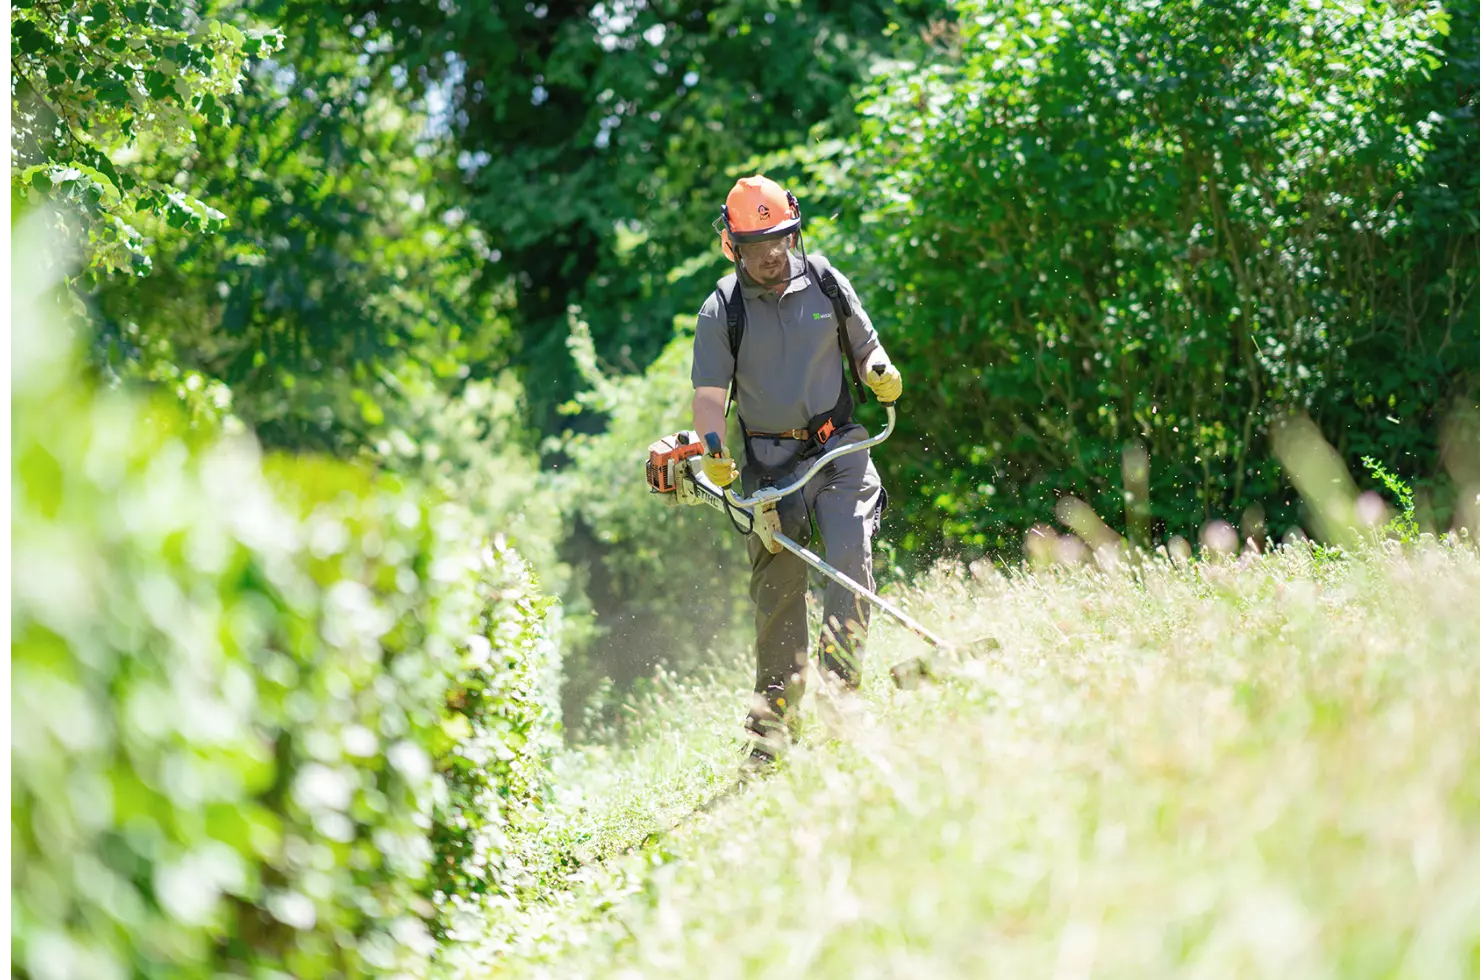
[759,210]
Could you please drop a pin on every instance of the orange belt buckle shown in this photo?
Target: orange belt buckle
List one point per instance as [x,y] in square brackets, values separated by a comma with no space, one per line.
[826,431]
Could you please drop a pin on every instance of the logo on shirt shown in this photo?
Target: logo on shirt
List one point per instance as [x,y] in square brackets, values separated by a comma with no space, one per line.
[822,316]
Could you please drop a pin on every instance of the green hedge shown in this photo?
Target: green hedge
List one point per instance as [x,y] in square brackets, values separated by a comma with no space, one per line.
[267,719]
[1089,224]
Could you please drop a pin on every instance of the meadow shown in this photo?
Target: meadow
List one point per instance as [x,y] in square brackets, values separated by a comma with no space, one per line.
[1255,766]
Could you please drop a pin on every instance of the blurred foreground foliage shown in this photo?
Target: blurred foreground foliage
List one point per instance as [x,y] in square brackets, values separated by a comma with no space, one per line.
[270,716]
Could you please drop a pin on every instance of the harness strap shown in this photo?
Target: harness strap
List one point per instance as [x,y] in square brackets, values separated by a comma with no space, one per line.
[820,428]
[822,268]
[733,302]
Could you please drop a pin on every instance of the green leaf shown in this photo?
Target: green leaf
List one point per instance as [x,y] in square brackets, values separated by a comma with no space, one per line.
[104,166]
[113,92]
[30,39]
[457,727]
[37,177]
[104,185]
[157,83]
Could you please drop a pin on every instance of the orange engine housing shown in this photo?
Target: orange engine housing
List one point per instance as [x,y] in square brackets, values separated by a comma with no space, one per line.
[664,456]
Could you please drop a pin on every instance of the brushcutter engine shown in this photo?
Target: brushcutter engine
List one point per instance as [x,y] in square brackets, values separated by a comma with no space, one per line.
[675,472]
[665,457]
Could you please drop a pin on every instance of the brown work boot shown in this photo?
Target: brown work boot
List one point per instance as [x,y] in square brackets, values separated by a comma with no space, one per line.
[758,762]
[768,740]
[774,723]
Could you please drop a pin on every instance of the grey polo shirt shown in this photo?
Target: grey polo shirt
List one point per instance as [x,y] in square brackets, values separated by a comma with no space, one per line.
[790,370]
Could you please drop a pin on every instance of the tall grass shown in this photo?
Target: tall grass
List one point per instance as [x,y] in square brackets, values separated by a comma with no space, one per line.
[1253,767]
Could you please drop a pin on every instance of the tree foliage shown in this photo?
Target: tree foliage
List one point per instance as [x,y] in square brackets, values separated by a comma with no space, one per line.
[98,86]
[596,142]
[343,256]
[1107,224]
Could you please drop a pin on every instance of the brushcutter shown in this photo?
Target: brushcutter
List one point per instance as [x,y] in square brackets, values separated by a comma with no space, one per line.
[675,471]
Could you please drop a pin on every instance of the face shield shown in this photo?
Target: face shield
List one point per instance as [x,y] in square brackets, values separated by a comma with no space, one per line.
[771,261]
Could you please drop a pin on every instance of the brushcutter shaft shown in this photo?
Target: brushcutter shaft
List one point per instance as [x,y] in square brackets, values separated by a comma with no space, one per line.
[899,615]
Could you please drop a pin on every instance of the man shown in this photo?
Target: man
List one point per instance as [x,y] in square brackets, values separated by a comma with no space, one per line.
[777,333]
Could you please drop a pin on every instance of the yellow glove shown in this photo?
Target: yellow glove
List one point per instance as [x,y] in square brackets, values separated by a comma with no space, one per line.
[720,469]
[883,378]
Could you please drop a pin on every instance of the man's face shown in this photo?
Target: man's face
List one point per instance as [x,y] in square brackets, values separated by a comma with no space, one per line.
[766,261]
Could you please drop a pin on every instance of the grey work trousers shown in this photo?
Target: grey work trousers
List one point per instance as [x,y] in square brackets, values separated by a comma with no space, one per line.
[846,501]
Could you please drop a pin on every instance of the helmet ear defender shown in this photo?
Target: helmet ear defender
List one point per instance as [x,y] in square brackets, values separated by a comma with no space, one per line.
[722,225]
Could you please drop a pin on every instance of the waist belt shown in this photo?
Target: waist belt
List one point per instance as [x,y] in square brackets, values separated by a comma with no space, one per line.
[824,432]
[801,434]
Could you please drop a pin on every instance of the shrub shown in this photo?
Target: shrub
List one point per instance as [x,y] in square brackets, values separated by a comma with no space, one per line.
[1095,224]
[261,714]
[501,731]
[471,446]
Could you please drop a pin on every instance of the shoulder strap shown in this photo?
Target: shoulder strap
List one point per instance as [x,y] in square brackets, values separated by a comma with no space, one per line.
[823,270]
[733,302]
